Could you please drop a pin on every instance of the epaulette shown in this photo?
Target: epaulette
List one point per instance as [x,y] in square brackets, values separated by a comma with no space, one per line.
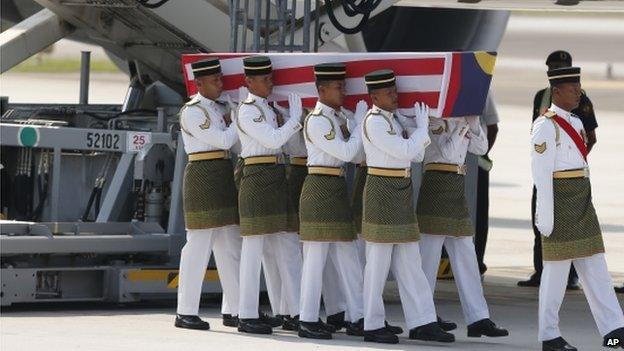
[375,111]
[317,112]
[549,114]
[249,101]
[193,101]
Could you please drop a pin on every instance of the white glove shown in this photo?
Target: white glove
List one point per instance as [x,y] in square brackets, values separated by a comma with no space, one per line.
[473,122]
[242,94]
[422,114]
[282,110]
[295,108]
[544,224]
[360,112]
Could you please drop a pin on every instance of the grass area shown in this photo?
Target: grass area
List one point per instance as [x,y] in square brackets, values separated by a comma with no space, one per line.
[62,65]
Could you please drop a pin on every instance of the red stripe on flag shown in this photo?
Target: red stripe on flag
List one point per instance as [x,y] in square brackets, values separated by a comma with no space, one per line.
[355,69]
[406,100]
[401,67]
[454,84]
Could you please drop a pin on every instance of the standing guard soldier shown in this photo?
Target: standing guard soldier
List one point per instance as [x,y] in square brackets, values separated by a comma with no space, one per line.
[209,195]
[444,219]
[566,218]
[389,224]
[326,221]
[265,213]
[585,111]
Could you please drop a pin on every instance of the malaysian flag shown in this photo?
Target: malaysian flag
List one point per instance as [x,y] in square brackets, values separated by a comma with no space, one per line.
[453,84]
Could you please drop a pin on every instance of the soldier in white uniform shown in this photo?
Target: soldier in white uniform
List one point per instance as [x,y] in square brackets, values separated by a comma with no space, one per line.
[444,219]
[566,218]
[266,212]
[389,223]
[209,195]
[333,297]
[326,221]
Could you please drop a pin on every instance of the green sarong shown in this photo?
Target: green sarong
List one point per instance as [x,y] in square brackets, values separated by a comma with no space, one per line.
[442,208]
[325,213]
[263,200]
[357,195]
[296,176]
[209,194]
[388,215]
[238,171]
[576,231]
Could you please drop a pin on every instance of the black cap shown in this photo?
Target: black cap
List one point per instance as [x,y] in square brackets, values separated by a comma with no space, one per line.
[257,65]
[380,79]
[564,75]
[559,56]
[330,71]
[206,67]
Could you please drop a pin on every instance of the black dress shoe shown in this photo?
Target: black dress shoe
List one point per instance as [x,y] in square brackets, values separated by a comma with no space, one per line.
[485,327]
[612,336]
[337,320]
[313,330]
[573,284]
[533,281]
[291,323]
[557,344]
[431,332]
[230,321]
[355,328]
[381,335]
[273,322]
[446,325]
[619,289]
[328,327]
[254,326]
[191,322]
[394,329]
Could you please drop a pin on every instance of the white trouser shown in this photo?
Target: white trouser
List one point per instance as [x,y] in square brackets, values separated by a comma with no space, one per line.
[404,260]
[275,286]
[461,252]
[225,243]
[333,296]
[287,255]
[597,287]
[272,280]
[361,245]
[344,256]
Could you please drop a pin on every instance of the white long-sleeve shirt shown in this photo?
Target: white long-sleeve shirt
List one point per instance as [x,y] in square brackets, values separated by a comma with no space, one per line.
[296,147]
[451,139]
[258,130]
[203,127]
[552,150]
[384,144]
[327,145]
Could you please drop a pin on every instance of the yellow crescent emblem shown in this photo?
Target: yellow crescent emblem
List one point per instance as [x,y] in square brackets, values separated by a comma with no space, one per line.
[440,130]
[540,148]
[331,135]
[206,124]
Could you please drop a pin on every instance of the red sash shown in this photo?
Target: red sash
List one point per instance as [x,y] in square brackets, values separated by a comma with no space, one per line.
[576,137]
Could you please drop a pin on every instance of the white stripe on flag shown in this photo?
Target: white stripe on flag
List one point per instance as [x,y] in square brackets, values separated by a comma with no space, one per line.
[294,60]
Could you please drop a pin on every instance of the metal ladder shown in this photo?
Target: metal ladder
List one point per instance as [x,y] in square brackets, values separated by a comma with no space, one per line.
[271,25]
